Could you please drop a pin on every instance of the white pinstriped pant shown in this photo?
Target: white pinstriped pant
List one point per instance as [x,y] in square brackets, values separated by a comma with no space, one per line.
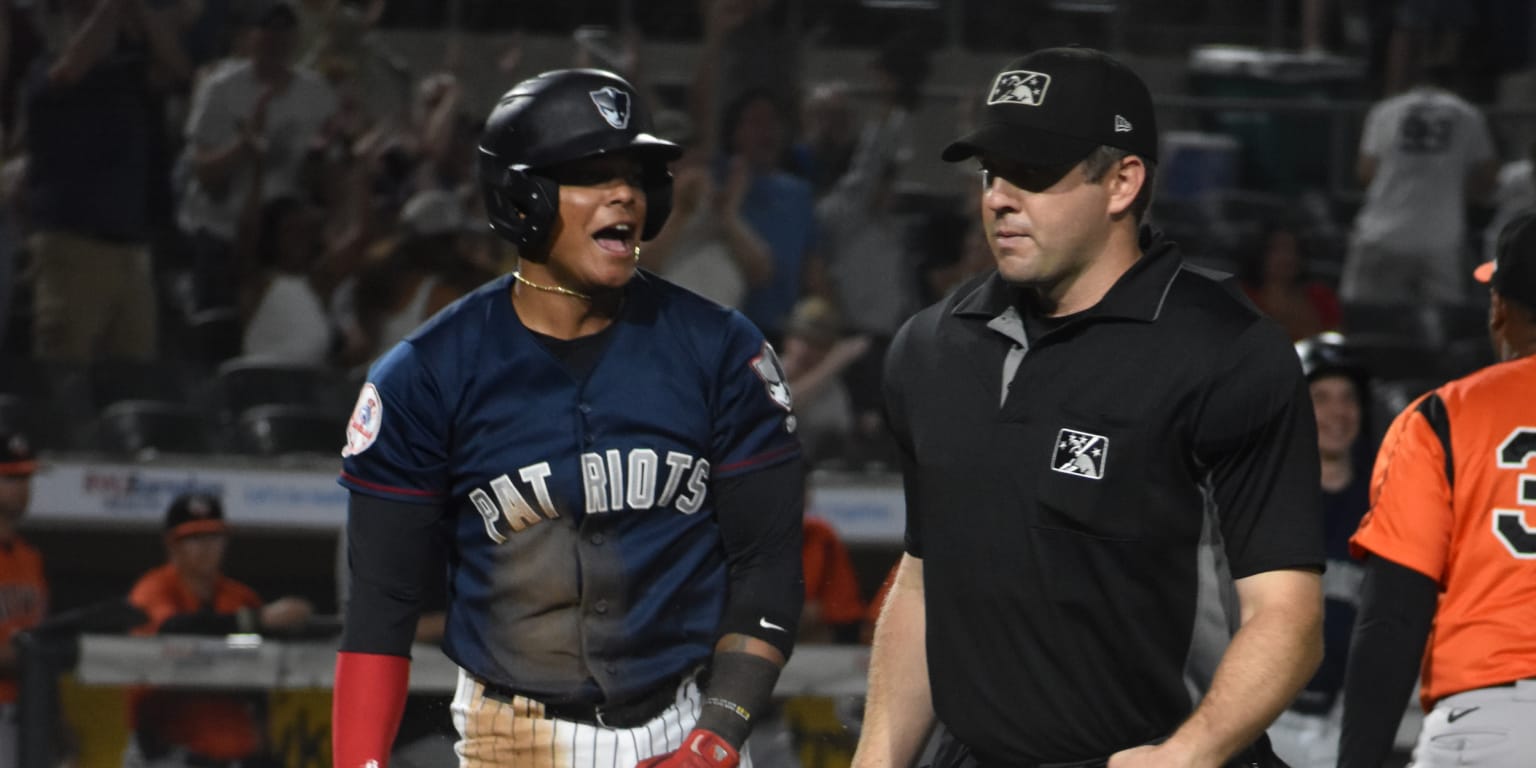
[494,733]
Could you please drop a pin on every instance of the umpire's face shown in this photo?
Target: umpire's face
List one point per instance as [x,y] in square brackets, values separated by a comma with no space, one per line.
[1046,226]
[596,237]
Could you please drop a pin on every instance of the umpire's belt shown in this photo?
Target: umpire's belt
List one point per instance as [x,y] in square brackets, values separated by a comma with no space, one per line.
[629,714]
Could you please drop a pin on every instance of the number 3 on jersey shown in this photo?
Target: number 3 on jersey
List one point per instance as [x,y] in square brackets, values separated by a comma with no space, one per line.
[1509,524]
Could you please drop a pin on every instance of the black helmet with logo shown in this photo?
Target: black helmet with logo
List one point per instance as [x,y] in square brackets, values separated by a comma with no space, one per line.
[555,118]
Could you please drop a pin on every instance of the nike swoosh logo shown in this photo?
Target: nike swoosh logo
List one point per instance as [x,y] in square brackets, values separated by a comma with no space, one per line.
[1457,714]
[766,624]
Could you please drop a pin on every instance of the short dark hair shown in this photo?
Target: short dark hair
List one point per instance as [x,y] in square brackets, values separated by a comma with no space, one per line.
[1100,160]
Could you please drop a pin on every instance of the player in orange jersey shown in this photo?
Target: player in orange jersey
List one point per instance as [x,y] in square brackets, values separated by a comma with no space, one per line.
[833,607]
[1450,553]
[191,595]
[23,592]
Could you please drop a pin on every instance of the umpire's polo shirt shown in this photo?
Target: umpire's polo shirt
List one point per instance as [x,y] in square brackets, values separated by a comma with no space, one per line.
[1059,517]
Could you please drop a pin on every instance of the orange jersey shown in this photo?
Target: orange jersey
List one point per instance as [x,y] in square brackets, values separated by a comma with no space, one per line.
[829,576]
[1453,496]
[213,725]
[23,597]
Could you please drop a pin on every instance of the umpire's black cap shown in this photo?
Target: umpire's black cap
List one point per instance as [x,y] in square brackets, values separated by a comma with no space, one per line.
[1513,270]
[1054,106]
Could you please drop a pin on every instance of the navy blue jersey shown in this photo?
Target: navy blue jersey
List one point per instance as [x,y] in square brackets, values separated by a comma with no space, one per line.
[587,562]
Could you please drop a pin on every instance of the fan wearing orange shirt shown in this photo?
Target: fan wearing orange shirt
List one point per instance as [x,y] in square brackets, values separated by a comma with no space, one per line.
[1450,553]
[23,591]
[191,595]
[833,608]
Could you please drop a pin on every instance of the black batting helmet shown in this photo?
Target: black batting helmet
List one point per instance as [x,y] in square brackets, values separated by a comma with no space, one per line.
[554,118]
[1328,354]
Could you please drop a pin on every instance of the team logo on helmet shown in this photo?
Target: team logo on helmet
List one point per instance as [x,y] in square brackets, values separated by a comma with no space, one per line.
[1020,86]
[613,105]
[1080,453]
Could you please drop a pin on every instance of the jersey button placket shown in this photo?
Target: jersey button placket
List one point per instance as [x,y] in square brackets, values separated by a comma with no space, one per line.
[587,436]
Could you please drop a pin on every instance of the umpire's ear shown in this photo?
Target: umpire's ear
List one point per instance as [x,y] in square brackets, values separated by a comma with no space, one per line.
[1124,182]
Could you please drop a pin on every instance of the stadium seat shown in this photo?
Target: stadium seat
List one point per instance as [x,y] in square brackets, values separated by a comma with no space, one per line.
[131,427]
[243,383]
[273,430]
[217,335]
[59,408]
[112,381]
[13,415]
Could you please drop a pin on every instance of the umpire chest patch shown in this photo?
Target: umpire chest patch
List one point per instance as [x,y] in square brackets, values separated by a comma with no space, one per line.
[1080,453]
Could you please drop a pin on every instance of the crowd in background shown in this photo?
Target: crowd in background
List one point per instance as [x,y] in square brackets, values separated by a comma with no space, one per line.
[278,187]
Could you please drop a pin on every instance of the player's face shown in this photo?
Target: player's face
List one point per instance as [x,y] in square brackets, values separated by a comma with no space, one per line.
[602,213]
[15,494]
[200,554]
[1044,225]
[1337,407]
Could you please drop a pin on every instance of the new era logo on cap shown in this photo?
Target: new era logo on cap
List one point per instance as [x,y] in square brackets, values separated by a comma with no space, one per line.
[1019,86]
[1122,125]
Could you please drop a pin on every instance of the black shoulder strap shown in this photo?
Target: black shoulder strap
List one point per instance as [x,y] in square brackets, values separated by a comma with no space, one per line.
[1433,410]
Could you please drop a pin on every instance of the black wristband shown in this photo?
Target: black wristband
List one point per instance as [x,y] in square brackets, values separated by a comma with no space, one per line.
[739,688]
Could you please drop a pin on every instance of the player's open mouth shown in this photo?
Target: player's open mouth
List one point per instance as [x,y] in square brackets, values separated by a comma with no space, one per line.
[617,239]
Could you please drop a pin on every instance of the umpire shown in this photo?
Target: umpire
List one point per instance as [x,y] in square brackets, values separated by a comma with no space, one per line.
[1084,431]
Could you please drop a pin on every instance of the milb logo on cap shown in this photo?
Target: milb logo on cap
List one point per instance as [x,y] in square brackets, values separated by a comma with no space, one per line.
[1019,86]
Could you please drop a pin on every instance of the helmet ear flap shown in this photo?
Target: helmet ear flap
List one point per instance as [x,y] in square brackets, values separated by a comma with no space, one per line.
[520,206]
[658,202]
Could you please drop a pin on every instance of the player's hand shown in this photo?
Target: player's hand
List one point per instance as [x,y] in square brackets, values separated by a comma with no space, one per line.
[1165,755]
[701,749]
[286,613]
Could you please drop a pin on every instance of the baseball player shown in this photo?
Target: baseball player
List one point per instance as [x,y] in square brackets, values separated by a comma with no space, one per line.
[614,460]
[23,589]
[1449,546]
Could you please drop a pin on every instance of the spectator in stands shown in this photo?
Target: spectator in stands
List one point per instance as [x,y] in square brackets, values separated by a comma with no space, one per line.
[257,105]
[753,130]
[191,595]
[828,138]
[23,590]
[864,242]
[833,609]
[760,50]
[89,188]
[816,355]
[1424,155]
[430,266]
[1426,31]
[283,287]
[1275,278]
[708,247]
[1306,735]
[11,172]
[953,251]
[1514,193]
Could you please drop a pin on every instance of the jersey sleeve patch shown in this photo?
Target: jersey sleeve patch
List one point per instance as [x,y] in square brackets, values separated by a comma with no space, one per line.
[768,368]
[367,418]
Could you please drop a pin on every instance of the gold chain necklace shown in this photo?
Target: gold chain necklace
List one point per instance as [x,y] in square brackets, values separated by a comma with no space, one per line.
[518,276]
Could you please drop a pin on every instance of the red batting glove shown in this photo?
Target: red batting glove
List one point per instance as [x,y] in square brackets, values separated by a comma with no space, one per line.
[702,749]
